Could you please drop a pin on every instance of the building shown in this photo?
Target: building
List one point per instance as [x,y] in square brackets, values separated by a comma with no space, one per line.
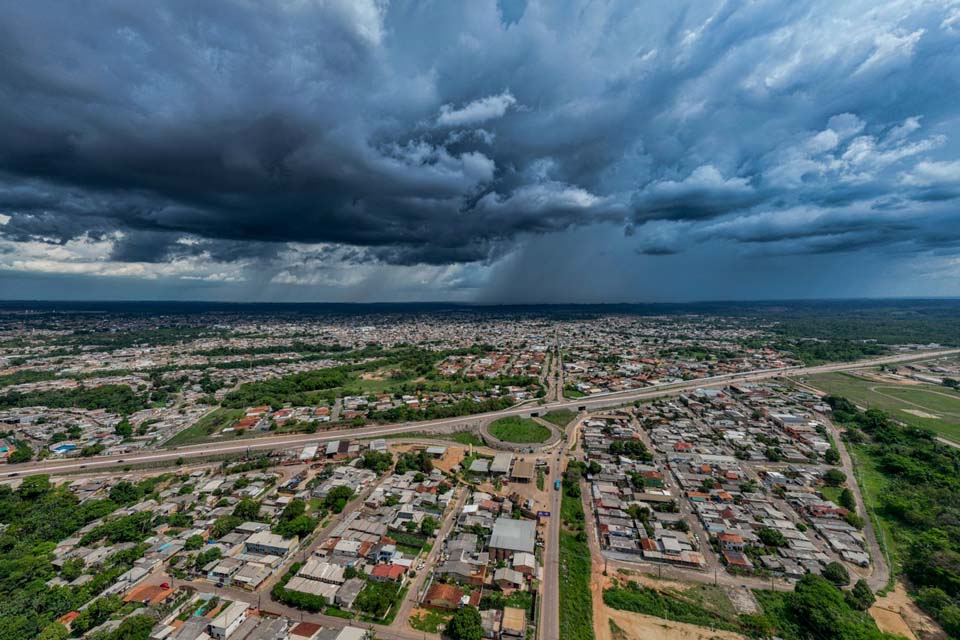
[514,623]
[269,544]
[501,463]
[387,573]
[512,536]
[523,471]
[525,563]
[228,620]
[443,596]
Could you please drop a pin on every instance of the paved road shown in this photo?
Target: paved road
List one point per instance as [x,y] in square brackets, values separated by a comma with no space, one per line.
[412,598]
[549,628]
[593,402]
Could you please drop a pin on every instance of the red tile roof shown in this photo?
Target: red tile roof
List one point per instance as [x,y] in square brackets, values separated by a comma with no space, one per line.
[389,571]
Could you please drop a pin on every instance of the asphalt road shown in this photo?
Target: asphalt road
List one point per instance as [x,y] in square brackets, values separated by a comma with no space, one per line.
[98,463]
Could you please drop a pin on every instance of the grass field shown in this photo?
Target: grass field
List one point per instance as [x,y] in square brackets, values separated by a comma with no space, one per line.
[460,437]
[560,417]
[939,406]
[430,621]
[703,605]
[519,430]
[208,425]
[576,600]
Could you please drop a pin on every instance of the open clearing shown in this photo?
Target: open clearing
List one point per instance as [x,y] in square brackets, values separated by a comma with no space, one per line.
[896,613]
[920,405]
[519,430]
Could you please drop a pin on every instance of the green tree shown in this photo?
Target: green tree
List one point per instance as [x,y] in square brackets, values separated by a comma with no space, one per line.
[136,627]
[224,525]
[124,429]
[465,625]
[846,500]
[834,477]
[336,499]
[54,631]
[771,537]
[837,574]
[34,487]
[861,596]
[428,526]
[205,557]
[832,456]
[23,453]
[376,461]
[125,493]
[247,509]
[72,569]
[193,543]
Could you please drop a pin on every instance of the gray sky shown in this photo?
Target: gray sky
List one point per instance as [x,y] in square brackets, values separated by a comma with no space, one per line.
[362,150]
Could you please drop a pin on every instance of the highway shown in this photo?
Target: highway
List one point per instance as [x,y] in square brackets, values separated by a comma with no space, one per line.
[598,401]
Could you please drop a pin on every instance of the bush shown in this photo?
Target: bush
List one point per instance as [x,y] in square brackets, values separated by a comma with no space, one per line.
[837,574]
[861,596]
[834,477]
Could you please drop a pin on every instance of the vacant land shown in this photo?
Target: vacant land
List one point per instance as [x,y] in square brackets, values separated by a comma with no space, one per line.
[520,430]
[210,424]
[702,605]
[429,620]
[576,600]
[560,417]
[919,405]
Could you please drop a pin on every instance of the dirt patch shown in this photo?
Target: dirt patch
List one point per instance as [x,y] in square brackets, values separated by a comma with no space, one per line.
[742,600]
[451,457]
[897,613]
[921,414]
[645,580]
[637,626]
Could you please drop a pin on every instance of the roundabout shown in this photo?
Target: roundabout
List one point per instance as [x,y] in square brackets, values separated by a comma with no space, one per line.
[516,433]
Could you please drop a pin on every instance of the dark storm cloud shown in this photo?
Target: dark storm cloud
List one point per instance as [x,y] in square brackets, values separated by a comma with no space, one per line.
[449,133]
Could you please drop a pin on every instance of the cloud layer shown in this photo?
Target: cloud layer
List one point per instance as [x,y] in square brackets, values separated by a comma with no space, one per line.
[350,145]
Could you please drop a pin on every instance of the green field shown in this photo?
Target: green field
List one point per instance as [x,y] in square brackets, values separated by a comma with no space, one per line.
[703,605]
[576,600]
[560,417]
[519,430]
[210,424]
[898,400]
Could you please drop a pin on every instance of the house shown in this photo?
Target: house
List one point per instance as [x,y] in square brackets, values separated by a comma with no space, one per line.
[322,571]
[463,572]
[525,563]
[270,544]
[730,542]
[480,466]
[490,620]
[387,573]
[223,571]
[514,623]
[228,620]
[501,463]
[508,578]
[737,559]
[443,596]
